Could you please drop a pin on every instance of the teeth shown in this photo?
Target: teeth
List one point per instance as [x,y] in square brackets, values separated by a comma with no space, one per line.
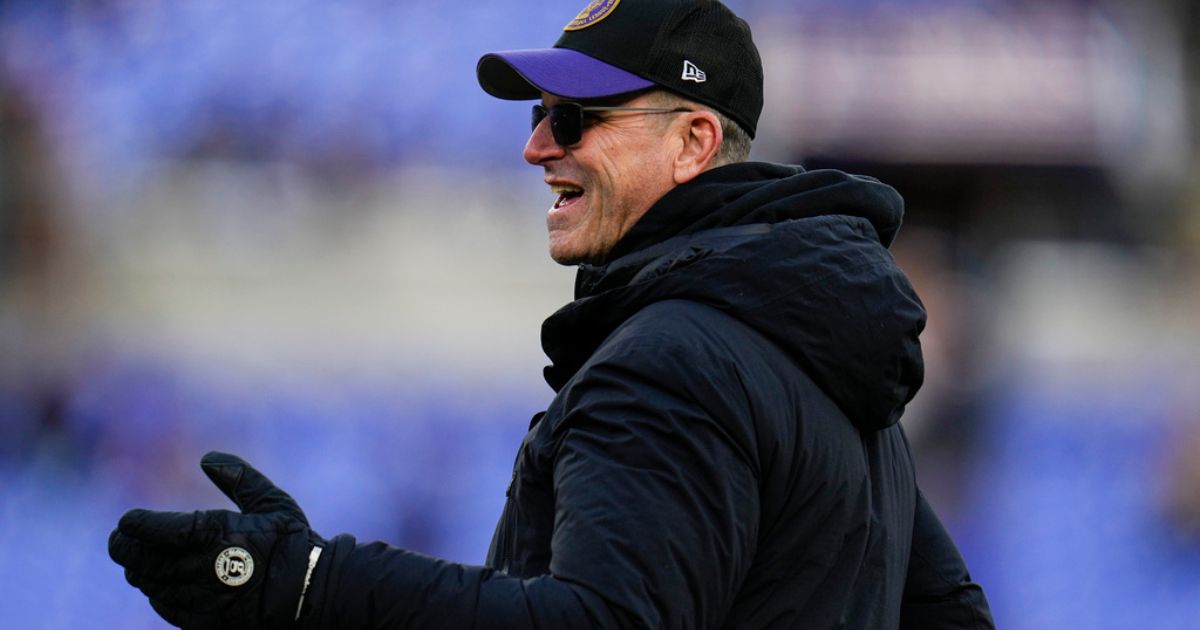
[565,189]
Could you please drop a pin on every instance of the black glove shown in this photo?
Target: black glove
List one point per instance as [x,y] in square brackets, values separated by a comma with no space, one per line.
[217,568]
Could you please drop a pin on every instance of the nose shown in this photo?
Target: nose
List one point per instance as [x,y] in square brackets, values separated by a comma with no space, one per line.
[541,146]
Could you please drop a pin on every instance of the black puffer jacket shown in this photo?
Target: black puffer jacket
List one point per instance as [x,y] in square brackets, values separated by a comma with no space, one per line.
[723,450]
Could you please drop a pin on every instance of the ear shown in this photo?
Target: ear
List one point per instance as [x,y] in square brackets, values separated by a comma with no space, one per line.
[701,138]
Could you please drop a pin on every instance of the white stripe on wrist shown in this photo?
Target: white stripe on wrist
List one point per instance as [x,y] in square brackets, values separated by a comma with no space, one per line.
[313,556]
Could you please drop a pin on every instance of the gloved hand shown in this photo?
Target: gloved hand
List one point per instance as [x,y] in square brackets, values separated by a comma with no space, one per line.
[221,569]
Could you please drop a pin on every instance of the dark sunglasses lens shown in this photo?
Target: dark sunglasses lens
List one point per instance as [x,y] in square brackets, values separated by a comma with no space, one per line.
[566,123]
[536,116]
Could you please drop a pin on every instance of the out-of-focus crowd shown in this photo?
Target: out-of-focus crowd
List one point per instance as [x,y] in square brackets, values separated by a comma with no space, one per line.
[299,232]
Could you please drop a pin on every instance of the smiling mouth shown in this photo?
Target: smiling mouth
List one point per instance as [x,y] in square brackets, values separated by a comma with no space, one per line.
[566,194]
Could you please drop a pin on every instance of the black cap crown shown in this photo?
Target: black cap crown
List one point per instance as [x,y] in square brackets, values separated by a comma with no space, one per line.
[697,48]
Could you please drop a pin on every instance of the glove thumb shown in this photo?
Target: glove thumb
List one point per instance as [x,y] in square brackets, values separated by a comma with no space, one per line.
[249,489]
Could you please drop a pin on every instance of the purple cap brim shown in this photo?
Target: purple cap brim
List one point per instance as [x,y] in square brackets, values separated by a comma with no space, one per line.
[521,75]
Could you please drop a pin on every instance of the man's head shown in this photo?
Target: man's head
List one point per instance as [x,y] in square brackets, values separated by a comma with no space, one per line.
[636,98]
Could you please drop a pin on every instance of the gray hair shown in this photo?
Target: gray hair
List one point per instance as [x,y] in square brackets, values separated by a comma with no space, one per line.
[735,147]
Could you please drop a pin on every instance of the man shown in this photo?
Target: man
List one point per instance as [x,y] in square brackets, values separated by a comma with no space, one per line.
[723,449]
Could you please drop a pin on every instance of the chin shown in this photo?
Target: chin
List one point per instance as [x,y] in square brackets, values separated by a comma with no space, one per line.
[572,256]
[564,256]
[568,260]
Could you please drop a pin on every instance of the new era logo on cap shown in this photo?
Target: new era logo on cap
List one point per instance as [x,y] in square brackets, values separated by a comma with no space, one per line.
[692,73]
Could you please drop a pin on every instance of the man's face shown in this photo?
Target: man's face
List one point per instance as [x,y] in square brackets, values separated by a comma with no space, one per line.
[604,183]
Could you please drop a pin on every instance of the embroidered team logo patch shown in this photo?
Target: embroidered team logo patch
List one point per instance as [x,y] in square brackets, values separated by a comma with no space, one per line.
[595,11]
[234,566]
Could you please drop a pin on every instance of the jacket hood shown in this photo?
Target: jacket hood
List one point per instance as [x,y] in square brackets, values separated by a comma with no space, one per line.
[800,256]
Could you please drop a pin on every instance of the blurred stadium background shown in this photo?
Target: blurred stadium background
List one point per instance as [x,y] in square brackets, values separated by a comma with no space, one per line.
[299,231]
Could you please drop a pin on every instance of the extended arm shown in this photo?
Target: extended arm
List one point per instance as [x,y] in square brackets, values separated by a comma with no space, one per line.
[656,518]
[375,585]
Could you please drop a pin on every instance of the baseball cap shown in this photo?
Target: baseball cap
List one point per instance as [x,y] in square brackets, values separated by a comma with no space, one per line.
[696,48]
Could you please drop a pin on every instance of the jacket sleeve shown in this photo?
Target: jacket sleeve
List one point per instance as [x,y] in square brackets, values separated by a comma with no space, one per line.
[377,586]
[938,592]
[655,522]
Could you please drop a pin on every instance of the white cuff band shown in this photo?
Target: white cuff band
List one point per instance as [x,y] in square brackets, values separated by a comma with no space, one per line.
[313,556]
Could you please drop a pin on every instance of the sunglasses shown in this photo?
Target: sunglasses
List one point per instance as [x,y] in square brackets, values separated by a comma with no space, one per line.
[567,119]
